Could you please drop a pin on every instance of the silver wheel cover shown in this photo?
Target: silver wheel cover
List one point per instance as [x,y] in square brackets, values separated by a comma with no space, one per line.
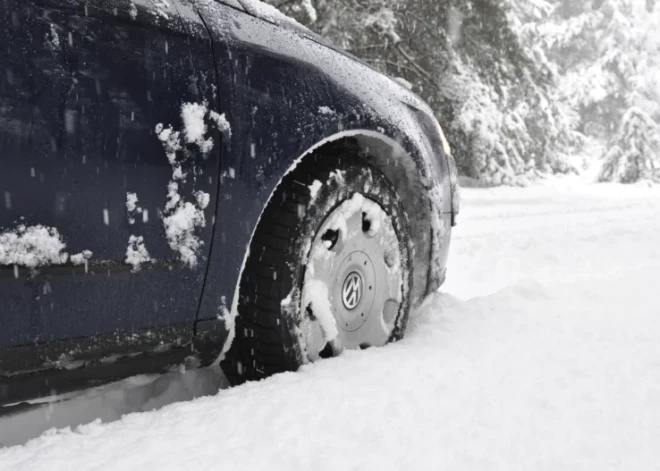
[353,283]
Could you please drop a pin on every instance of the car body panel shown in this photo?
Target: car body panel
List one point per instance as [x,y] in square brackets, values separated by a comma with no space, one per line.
[78,135]
[284,94]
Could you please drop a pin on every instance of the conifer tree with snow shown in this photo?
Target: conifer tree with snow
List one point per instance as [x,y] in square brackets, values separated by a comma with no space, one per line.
[634,153]
[596,48]
[519,85]
[608,53]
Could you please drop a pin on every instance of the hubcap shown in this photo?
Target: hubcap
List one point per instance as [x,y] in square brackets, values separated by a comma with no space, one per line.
[352,288]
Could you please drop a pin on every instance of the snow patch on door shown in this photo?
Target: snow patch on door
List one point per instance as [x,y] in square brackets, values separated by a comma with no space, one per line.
[52,38]
[36,246]
[81,258]
[32,246]
[132,208]
[220,121]
[194,127]
[180,221]
[183,215]
[137,253]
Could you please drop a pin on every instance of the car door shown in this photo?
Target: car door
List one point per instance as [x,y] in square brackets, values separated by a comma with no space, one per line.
[267,92]
[110,147]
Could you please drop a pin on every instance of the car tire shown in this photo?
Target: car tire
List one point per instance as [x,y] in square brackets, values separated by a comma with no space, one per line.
[277,327]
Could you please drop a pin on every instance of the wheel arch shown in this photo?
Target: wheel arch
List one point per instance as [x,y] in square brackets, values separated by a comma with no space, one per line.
[411,178]
[418,187]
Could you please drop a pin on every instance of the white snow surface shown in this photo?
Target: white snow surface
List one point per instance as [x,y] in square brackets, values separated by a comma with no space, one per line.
[540,352]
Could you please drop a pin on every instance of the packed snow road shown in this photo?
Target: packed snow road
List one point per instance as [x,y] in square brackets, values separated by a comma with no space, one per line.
[541,352]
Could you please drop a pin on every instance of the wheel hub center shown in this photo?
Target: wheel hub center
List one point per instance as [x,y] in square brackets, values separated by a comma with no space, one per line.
[352,290]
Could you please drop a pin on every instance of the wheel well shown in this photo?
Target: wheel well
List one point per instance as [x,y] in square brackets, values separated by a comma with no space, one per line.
[408,179]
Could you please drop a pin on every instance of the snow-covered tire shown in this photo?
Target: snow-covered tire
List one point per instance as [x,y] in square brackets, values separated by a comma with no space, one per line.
[271,328]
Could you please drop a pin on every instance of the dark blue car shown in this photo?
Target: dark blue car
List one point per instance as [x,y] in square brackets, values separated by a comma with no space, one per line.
[194,180]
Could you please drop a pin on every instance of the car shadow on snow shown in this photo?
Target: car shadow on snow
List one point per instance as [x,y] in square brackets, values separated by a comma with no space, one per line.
[109,402]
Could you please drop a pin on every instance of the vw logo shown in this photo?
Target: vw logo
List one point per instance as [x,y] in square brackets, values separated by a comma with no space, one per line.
[352,291]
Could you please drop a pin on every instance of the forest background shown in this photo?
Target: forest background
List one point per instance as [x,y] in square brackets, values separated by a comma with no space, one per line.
[524,89]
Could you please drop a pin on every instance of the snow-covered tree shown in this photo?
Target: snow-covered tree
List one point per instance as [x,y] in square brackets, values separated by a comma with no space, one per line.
[517,83]
[608,54]
[597,50]
[492,91]
[634,153]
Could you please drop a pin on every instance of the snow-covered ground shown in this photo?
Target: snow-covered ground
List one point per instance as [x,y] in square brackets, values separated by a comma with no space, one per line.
[541,352]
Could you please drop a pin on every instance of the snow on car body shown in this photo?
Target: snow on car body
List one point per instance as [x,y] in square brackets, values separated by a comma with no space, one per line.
[193,112]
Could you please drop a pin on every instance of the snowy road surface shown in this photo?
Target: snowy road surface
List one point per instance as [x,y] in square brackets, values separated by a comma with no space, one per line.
[542,352]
